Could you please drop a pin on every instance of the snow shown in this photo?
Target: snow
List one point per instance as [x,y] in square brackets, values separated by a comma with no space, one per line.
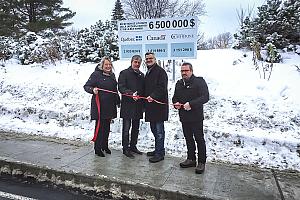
[248,120]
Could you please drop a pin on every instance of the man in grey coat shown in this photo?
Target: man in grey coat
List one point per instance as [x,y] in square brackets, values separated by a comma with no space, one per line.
[131,85]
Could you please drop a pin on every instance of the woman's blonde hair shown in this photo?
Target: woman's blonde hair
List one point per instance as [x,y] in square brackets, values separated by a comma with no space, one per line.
[100,66]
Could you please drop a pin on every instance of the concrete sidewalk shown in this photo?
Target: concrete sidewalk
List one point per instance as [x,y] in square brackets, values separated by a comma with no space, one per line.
[75,163]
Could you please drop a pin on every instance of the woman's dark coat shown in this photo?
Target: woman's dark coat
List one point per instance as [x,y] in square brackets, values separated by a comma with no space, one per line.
[194,91]
[108,101]
[129,82]
[156,86]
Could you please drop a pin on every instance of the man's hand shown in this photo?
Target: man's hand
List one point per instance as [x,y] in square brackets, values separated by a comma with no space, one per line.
[177,105]
[149,99]
[187,106]
[135,96]
[95,90]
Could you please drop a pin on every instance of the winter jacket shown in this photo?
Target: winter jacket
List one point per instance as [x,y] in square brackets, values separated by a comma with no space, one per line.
[108,101]
[129,82]
[156,86]
[194,91]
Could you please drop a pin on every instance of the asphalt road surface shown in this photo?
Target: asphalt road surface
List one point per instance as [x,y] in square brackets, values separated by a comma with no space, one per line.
[14,188]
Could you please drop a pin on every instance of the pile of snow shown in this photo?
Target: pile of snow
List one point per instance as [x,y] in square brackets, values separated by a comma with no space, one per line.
[248,119]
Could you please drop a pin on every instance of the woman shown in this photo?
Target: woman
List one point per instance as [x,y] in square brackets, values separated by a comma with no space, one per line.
[103,103]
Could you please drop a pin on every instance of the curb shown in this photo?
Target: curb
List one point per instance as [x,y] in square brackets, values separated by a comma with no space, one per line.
[101,184]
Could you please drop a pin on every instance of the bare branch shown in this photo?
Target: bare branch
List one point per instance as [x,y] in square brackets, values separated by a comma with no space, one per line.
[143,9]
[242,14]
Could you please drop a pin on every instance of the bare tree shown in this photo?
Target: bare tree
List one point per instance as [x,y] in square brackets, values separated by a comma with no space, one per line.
[186,8]
[241,14]
[142,9]
[221,41]
[147,9]
[211,43]
[201,43]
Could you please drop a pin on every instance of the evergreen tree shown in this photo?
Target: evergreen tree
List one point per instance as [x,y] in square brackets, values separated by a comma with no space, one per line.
[246,34]
[117,14]
[92,44]
[277,22]
[267,21]
[290,18]
[34,15]
[8,21]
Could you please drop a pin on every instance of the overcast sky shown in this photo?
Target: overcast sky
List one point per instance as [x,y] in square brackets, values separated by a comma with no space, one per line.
[221,14]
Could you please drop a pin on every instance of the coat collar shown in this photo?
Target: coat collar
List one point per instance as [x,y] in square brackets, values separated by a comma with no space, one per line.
[189,81]
[152,67]
[133,71]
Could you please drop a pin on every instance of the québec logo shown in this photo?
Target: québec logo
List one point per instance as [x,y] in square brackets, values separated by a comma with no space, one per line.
[138,38]
[132,39]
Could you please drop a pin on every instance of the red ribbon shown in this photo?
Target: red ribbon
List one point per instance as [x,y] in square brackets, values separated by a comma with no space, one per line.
[98,123]
[128,95]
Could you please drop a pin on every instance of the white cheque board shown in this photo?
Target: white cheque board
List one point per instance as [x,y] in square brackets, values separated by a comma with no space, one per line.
[168,38]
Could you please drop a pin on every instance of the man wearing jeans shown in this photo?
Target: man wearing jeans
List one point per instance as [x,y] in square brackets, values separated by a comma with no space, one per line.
[131,85]
[190,94]
[156,107]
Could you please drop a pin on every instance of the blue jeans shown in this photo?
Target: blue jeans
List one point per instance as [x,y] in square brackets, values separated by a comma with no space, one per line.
[158,131]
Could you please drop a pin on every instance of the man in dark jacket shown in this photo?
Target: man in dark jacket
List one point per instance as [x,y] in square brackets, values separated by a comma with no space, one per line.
[190,94]
[131,82]
[156,109]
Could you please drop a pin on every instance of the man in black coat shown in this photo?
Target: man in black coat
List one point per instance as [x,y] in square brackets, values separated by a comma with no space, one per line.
[157,108]
[190,94]
[131,82]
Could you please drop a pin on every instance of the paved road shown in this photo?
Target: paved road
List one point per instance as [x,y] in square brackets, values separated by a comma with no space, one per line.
[26,189]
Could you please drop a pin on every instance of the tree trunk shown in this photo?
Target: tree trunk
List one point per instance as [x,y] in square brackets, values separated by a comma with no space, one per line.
[32,13]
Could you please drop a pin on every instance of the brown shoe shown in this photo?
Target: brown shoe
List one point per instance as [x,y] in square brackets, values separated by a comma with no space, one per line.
[200,168]
[188,163]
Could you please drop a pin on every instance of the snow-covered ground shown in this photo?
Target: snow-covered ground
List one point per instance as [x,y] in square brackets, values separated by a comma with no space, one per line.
[248,119]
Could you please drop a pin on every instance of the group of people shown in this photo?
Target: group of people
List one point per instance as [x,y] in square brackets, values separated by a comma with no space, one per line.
[147,93]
